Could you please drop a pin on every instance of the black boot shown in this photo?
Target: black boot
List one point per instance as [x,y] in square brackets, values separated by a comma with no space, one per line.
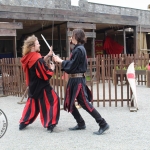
[78,127]
[95,114]
[102,129]
[22,126]
[50,128]
[80,122]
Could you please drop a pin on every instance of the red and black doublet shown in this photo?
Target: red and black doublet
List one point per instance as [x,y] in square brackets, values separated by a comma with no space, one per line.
[77,88]
[41,96]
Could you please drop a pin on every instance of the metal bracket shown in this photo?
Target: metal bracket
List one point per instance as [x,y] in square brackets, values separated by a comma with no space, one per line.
[133,104]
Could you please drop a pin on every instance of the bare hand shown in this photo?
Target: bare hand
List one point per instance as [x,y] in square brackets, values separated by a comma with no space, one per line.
[51,65]
[57,59]
[51,51]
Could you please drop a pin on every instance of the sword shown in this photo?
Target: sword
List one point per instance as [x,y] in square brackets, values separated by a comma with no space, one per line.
[47,44]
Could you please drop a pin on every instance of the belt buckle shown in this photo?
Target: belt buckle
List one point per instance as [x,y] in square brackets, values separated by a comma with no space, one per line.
[76,75]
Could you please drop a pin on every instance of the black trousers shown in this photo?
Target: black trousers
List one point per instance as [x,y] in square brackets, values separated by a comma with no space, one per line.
[82,99]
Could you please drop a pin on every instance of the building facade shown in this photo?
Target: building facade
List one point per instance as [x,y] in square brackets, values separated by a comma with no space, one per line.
[50,17]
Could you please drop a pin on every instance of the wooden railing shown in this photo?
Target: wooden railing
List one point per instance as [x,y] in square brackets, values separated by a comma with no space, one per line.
[101,78]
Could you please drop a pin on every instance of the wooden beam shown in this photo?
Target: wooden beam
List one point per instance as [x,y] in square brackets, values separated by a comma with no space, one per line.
[47,27]
[143,29]
[103,30]
[81,25]
[87,34]
[7,32]
[31,13]
[11,25]
[112,28]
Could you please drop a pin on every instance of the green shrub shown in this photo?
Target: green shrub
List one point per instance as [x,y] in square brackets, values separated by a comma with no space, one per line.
[88,78]
[136,68]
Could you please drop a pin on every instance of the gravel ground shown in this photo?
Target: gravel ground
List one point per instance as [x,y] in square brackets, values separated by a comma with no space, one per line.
[128,130]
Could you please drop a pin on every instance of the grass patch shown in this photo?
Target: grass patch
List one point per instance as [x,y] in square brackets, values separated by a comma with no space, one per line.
[88,78]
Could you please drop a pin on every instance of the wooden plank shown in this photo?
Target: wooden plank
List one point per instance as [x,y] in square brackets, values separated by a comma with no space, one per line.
[81,25]
[7,32]
[101,18]
[87,34]
[103,79]
[11,25]
[31,13]
[121,80]
[109,84]
[115,64]
[91,82]
[17,76]
[148,78]
[97,76]
[132,109]
[143,28]
[127,61]
[13,78]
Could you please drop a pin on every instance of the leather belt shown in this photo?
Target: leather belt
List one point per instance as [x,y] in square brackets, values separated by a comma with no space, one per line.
[77,75]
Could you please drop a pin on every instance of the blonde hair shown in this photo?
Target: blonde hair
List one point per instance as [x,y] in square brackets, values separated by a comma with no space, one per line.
[28,44]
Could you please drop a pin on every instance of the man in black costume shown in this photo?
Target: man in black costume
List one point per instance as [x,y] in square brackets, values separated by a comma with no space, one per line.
[76,87]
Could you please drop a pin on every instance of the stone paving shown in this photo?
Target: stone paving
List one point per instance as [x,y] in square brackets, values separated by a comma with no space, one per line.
[128,130]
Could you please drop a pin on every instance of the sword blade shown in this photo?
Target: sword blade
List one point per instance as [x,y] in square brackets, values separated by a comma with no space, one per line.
[46,43]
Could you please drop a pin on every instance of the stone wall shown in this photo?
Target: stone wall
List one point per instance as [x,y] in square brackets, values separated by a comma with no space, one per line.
[84,6]
[29,3]
[143,15]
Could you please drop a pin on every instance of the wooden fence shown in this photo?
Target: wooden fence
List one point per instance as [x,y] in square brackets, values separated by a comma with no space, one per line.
[105,76]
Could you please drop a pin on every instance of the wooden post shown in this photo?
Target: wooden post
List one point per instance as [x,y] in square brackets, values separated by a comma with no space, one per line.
[135,40]
[93,46]
[14,47]
[148,78]
[67,43]
[59,41]
[124,40]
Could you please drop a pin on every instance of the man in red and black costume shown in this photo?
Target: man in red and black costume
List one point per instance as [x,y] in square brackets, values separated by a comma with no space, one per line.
[76,87]
[41,96]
